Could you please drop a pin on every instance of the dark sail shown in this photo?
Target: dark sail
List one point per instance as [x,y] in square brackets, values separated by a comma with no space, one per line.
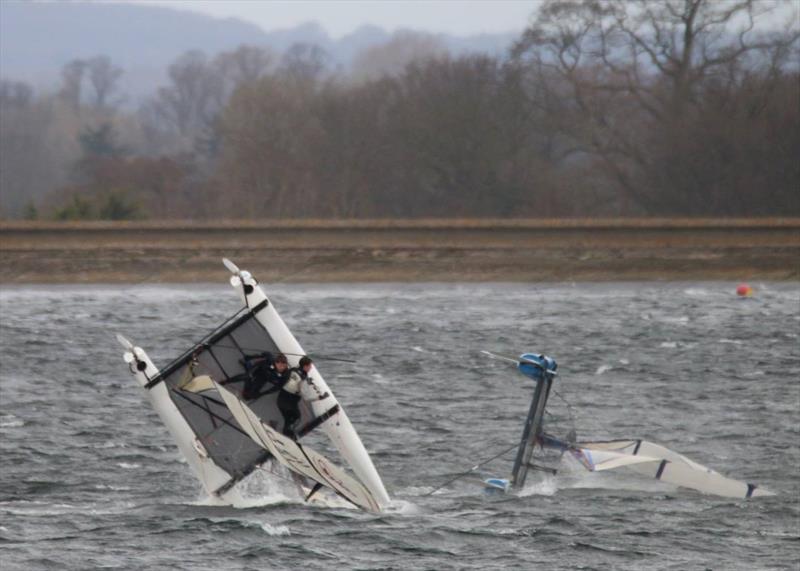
[222,357]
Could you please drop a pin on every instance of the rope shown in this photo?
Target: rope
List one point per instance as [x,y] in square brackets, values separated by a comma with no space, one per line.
[569,407]
[468,472]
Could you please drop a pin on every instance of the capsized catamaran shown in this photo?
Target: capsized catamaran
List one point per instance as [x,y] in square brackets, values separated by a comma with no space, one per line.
[199,397]
[541,451]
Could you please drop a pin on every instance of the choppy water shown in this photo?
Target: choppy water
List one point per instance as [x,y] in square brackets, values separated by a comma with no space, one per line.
[90,479]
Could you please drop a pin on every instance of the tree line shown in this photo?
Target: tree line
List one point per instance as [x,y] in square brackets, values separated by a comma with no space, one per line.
[601,108]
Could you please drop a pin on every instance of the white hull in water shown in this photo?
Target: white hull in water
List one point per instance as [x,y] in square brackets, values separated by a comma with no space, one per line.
[640,456]
[189,397]
[337,427]
[213,478]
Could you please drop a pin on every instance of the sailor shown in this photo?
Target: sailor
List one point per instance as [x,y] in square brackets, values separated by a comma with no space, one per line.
[264,370]
[289,397]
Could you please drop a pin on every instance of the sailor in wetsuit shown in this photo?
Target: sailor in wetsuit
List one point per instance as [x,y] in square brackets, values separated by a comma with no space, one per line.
[289,397]
[263,370]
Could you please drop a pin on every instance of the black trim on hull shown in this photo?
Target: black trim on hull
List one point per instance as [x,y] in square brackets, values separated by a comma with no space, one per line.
[317,421]
[661,469]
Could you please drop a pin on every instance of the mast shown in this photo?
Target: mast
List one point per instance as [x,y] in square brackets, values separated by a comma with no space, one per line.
[542,370]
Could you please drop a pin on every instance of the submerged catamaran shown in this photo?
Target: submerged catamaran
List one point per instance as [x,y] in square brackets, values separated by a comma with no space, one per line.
[541,451]
[199,397]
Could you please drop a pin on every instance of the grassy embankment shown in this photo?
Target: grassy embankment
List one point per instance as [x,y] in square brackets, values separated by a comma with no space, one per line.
[402,250]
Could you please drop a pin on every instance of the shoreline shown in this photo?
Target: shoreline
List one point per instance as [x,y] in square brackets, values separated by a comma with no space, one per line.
[311,251]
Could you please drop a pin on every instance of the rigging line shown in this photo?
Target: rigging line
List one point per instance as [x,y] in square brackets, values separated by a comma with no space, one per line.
[261,350]
[201,342]
[466,473]
[288,276]
[291,480]
[222,326]
[566,402]
[323,357]
[207,410]
[153,274]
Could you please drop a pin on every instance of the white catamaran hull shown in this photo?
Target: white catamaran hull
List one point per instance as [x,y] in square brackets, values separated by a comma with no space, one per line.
[299,459]
[338,427]
[655,461]
[211,476]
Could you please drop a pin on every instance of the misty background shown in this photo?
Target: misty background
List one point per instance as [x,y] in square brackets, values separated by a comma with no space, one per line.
[672,108]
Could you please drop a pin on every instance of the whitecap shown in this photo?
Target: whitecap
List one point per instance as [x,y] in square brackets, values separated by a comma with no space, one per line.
[36,508]
[603,369]
[267,527]
[415,490]
[248,502]
[275,530]
[680,320]
[11,421]
[697,292]
[109,444]
[128,465]
[546,486]
[402,507]
[669,345]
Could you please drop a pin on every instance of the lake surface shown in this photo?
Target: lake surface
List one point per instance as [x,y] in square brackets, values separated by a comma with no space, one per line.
[89,477]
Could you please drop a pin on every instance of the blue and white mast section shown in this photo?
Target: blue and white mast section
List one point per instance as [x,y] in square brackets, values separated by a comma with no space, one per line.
[542,370]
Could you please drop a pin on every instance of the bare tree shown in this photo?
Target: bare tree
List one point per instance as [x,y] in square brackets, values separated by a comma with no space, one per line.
[15,94]
[244,64]
[72,82]
[626,80]
[392,57]
[103,76]
[304,62]
[191,101]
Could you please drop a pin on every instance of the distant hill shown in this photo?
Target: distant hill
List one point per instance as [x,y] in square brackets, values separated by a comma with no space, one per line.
[37,39]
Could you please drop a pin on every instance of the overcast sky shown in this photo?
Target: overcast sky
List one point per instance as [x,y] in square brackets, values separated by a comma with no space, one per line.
[339,17]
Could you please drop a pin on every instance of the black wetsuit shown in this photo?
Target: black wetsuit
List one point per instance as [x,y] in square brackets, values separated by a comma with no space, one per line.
[289,404]
[261,371]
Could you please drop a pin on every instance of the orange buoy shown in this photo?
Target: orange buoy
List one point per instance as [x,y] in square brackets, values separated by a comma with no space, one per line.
[744,290]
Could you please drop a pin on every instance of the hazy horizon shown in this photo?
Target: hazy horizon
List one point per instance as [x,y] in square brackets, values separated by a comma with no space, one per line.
[340,18]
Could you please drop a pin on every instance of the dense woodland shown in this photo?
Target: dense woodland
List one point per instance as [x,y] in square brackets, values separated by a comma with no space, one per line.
[612,108]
